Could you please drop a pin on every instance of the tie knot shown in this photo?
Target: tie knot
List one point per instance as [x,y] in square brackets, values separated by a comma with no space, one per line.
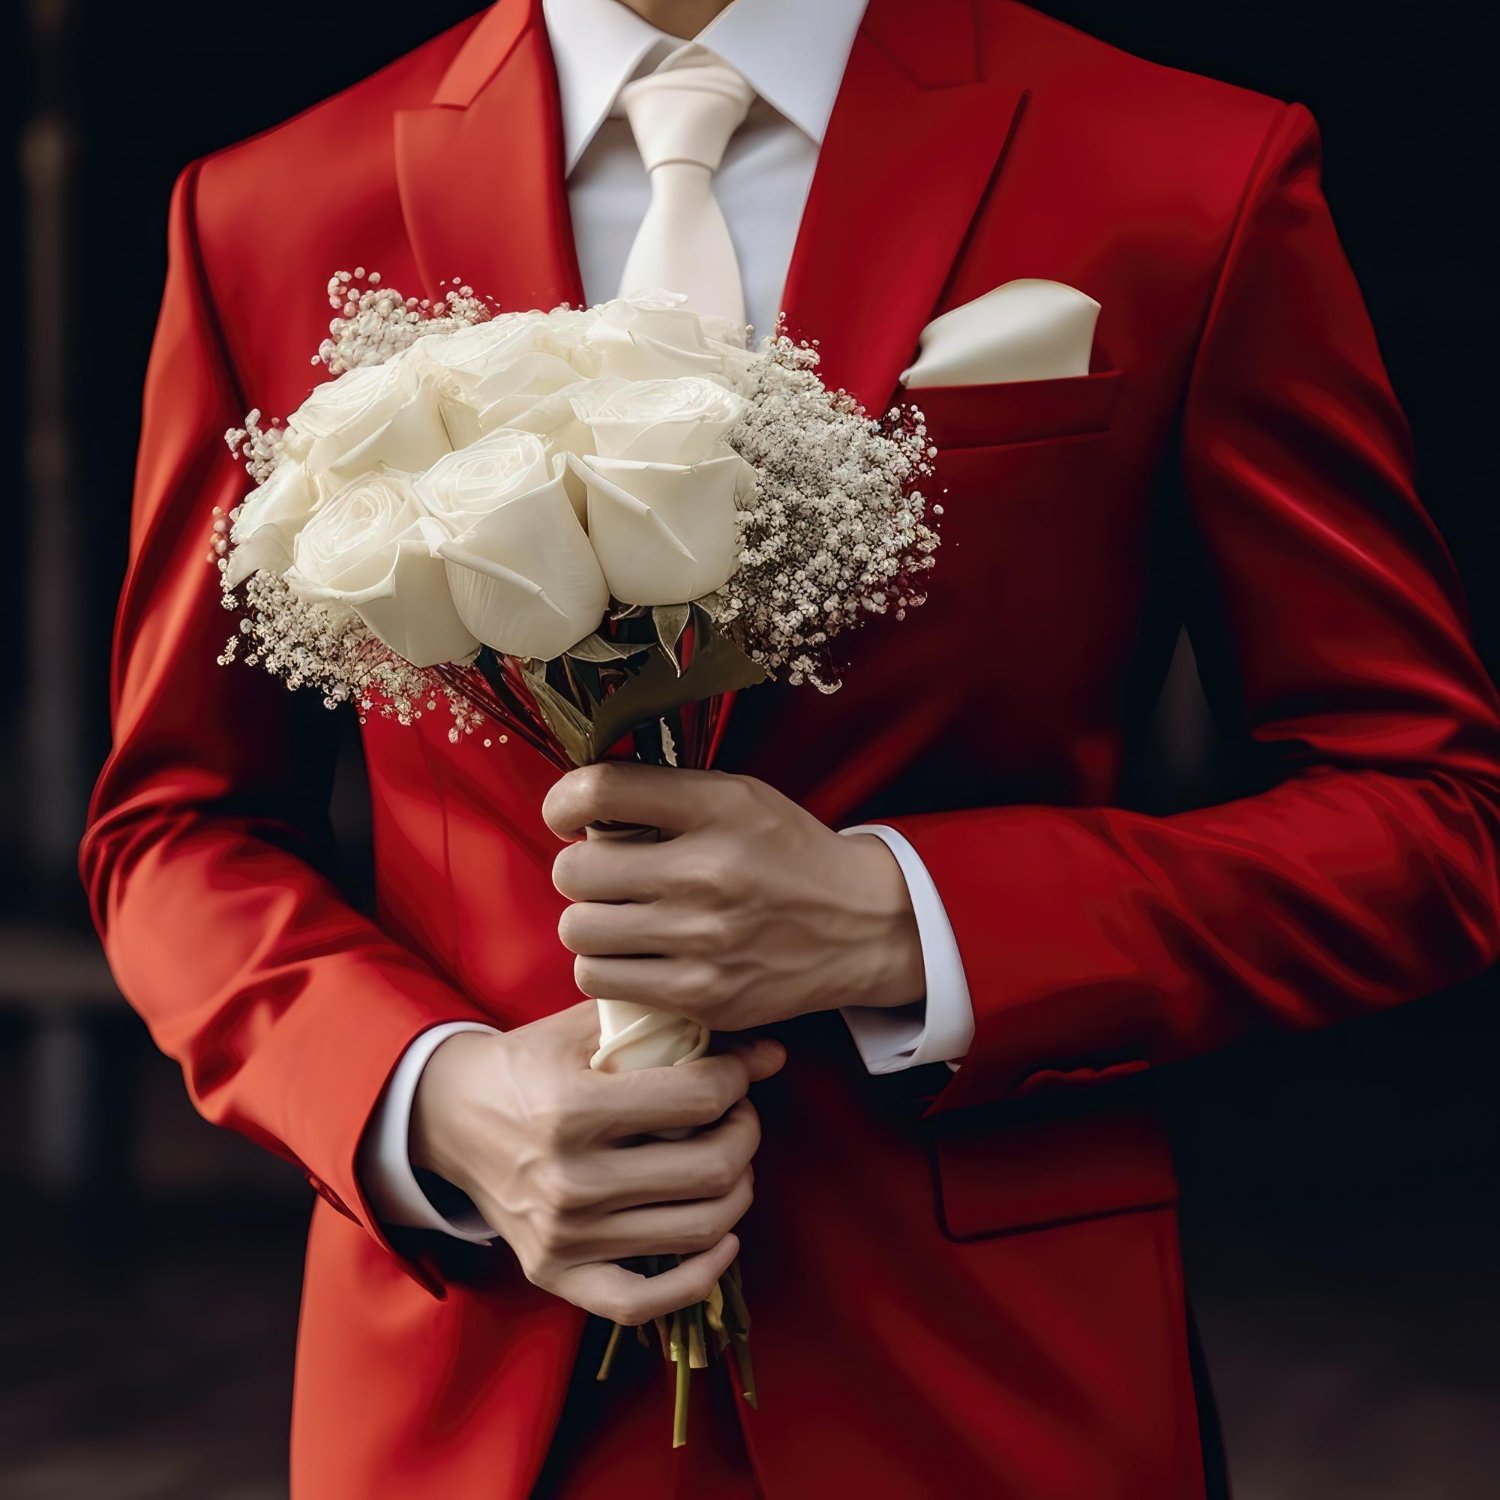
[687,110]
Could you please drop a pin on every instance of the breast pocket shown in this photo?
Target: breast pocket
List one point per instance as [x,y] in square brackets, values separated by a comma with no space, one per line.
[1050,1171]
[1016,412]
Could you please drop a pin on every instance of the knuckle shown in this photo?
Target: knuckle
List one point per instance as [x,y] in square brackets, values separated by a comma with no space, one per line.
[740,790]
[572,798]
[726,876]
[700,983]
[623,1308]
[591,786]
[559,1190]
[541,1270]
[568,867]
[679,986]
[715,931]
[570,927]
[722,1175]
[703,1231]
[747,1128]
[550,1236]
[706,1100]
[706,876]
[602,1306]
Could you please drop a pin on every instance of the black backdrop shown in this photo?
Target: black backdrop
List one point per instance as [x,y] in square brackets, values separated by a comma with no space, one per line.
[1385,1123]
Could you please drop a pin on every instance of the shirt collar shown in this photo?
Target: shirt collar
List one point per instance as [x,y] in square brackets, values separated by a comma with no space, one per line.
[791,52]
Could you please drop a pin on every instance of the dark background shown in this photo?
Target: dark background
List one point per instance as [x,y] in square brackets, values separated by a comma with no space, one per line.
[1341,1212]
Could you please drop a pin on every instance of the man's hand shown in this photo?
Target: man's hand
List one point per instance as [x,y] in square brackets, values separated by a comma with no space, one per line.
[748,910]
[554,1156]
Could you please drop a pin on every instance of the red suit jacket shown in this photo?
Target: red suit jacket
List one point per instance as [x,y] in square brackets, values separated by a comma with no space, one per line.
[978,1297]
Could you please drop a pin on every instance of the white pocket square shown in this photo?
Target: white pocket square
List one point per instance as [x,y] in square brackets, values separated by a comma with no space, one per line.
[1024,330]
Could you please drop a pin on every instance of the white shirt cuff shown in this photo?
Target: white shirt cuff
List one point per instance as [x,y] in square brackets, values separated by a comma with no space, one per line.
[941,1028]
[385,1161]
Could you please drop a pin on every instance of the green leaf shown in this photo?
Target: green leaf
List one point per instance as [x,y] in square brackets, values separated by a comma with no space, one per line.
[571,728]
[670,621]
[717,666]
[597,648]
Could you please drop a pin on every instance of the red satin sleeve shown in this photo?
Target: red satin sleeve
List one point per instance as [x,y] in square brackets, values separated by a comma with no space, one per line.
[1329,629]
[286,1008]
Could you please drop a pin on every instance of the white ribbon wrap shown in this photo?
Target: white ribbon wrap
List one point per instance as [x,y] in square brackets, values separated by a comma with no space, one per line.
[635,1036]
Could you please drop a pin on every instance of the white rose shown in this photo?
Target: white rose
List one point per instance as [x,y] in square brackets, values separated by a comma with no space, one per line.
[367,549]
[663,533]
[654,336]
[505,362]
[568,333]
[564,332]
[553,419]
[550,416]
[681,421]
[268,521]
[372,417]
[523,576]
[469,353]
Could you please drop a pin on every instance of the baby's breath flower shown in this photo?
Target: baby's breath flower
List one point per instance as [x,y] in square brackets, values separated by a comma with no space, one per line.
[326,647]
[375,322]
[835,529]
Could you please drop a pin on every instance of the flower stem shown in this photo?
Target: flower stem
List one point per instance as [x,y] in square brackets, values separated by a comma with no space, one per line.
[697,1343]
[609,1351]
[737,1322]
[684,1382]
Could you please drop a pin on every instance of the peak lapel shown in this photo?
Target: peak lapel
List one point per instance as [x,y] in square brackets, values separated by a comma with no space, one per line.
[480,169]
[917,136]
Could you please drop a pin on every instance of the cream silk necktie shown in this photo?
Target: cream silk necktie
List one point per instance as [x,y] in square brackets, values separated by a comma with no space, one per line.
[682,117]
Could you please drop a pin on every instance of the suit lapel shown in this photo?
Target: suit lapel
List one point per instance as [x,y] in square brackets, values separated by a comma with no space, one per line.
[918,134]
[480,169]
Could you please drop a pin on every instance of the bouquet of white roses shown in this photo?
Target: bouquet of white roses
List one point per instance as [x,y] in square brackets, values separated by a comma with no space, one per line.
[583,526]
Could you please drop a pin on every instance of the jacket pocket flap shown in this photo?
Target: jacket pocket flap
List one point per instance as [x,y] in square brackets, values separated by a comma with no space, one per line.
[984,416]
[1007,1178]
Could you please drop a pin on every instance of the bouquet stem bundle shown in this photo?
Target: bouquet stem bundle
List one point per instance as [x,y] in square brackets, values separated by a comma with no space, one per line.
[684,1339]
[558,711]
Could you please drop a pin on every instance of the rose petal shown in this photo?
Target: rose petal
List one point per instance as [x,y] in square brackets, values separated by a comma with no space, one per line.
[268,522]
[663,533]
[410,608]
[412,441]
[524,578]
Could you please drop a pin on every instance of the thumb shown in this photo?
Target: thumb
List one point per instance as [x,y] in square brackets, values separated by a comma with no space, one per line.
[762,1058]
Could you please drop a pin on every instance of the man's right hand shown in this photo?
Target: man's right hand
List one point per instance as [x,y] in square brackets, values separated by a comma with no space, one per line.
[559,1161]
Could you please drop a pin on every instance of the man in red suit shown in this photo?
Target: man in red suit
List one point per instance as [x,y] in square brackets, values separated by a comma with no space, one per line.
[963,1260]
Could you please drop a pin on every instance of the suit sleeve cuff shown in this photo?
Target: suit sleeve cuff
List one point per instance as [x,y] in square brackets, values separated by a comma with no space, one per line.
[386,1173]
[939,1028]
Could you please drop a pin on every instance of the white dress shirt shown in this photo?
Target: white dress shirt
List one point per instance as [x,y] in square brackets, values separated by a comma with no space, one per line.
[792,53]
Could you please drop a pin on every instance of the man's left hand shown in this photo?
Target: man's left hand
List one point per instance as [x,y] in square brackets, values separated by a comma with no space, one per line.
[747,910]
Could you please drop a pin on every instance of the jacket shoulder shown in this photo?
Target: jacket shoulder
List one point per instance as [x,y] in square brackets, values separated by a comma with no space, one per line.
[1124,92]
[1140,143]
[332,142]
[270,218]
